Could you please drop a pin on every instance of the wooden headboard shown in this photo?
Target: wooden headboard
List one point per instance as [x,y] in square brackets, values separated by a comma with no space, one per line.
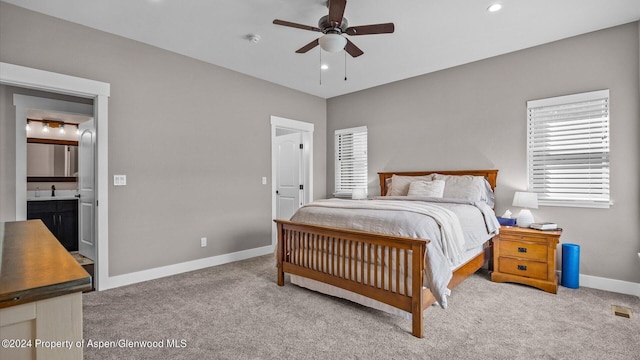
[490,175]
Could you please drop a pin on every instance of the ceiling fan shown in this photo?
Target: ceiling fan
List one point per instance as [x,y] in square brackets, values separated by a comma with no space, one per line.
[333,26]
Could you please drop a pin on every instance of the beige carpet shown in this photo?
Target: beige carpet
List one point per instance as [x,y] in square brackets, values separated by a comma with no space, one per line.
[236,311]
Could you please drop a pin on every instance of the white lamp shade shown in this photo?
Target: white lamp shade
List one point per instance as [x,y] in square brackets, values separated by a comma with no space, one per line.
[524,199]
[332,42]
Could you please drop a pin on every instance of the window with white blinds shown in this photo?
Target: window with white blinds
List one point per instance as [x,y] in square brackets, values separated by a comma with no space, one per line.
[351,160]
[568,149]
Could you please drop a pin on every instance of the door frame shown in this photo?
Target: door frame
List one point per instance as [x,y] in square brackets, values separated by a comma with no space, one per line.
[306,129]
[25,77]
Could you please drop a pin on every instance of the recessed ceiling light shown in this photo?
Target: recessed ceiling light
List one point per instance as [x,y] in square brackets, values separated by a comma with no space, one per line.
[494,7]
[324,66]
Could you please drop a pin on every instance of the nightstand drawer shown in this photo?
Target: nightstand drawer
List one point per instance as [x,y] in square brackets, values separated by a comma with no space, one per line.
[532,269]
[523,250]
[514,237]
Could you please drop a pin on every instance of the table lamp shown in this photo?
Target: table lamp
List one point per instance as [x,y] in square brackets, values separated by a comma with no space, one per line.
[525,200]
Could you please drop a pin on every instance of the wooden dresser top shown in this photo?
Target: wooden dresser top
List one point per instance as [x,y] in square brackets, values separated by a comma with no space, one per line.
[529,231]
[35,266]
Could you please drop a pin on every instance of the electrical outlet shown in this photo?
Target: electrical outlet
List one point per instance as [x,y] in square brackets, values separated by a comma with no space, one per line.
[264,180]
[203,242]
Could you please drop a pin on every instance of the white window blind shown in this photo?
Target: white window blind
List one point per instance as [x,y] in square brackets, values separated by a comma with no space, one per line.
[351,160]
[568,149]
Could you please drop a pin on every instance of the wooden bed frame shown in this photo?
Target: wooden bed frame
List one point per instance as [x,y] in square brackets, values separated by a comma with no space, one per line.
[301,251]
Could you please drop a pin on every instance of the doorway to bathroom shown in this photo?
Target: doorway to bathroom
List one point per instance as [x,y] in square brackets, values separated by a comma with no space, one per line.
[59,136]
[98,92]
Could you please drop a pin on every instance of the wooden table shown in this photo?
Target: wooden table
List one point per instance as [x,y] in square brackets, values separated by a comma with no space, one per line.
[41,288]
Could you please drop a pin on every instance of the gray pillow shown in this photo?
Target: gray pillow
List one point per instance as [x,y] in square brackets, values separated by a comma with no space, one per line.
[434,188]
[400,184]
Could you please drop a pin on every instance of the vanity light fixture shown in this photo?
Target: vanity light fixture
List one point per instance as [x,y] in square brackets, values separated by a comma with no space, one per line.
[494,7]
[52,124]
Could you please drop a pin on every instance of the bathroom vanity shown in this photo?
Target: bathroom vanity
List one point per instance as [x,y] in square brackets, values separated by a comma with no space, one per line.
[60,215]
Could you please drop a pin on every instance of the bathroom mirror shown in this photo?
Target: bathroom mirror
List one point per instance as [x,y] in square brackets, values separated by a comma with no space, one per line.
[52,160]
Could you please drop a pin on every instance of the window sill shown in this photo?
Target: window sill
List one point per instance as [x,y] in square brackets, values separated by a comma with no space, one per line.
[578,204]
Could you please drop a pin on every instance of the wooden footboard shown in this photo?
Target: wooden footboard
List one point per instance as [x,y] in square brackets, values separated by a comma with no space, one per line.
[352,260]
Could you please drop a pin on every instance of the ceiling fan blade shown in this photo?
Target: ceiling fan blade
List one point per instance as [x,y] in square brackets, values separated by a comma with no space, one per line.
[336,12]
[308,47]
[386,28]
[352,49]
[295,25]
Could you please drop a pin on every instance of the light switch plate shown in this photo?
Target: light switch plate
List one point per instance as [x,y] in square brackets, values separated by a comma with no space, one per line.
[119,180]
[264,180]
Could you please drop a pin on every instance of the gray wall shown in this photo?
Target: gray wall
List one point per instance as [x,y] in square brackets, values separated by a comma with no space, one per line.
[192,138]
[474,116]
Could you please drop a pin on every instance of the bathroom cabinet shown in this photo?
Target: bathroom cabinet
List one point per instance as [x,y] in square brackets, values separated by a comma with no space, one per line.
[60,216]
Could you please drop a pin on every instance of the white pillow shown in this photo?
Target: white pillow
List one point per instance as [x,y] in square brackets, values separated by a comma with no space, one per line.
[433,188]
[400,184]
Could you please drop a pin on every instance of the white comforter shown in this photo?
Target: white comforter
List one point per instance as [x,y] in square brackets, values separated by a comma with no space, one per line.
[453,227]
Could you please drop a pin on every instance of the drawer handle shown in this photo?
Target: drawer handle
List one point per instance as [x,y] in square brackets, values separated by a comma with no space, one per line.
[522,267]
[522,249]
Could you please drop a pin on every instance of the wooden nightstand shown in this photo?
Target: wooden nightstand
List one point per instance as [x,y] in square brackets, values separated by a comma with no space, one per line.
[526,256]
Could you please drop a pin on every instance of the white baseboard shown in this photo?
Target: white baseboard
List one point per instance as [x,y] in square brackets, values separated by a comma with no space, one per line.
[156,273]
[613,285]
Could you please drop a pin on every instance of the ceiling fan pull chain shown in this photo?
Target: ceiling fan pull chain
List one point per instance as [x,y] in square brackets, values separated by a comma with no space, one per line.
[345,66]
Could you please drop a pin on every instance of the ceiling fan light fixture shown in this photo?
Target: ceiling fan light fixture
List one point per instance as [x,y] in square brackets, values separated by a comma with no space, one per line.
[332,42]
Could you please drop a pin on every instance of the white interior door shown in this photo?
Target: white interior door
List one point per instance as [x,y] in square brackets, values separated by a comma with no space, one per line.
[288,174]
[86,189]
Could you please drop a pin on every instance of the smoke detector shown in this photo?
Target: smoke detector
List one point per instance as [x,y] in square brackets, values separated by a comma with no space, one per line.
[254,38]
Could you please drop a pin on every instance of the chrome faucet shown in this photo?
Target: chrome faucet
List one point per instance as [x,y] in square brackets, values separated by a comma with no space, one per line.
[53,190]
